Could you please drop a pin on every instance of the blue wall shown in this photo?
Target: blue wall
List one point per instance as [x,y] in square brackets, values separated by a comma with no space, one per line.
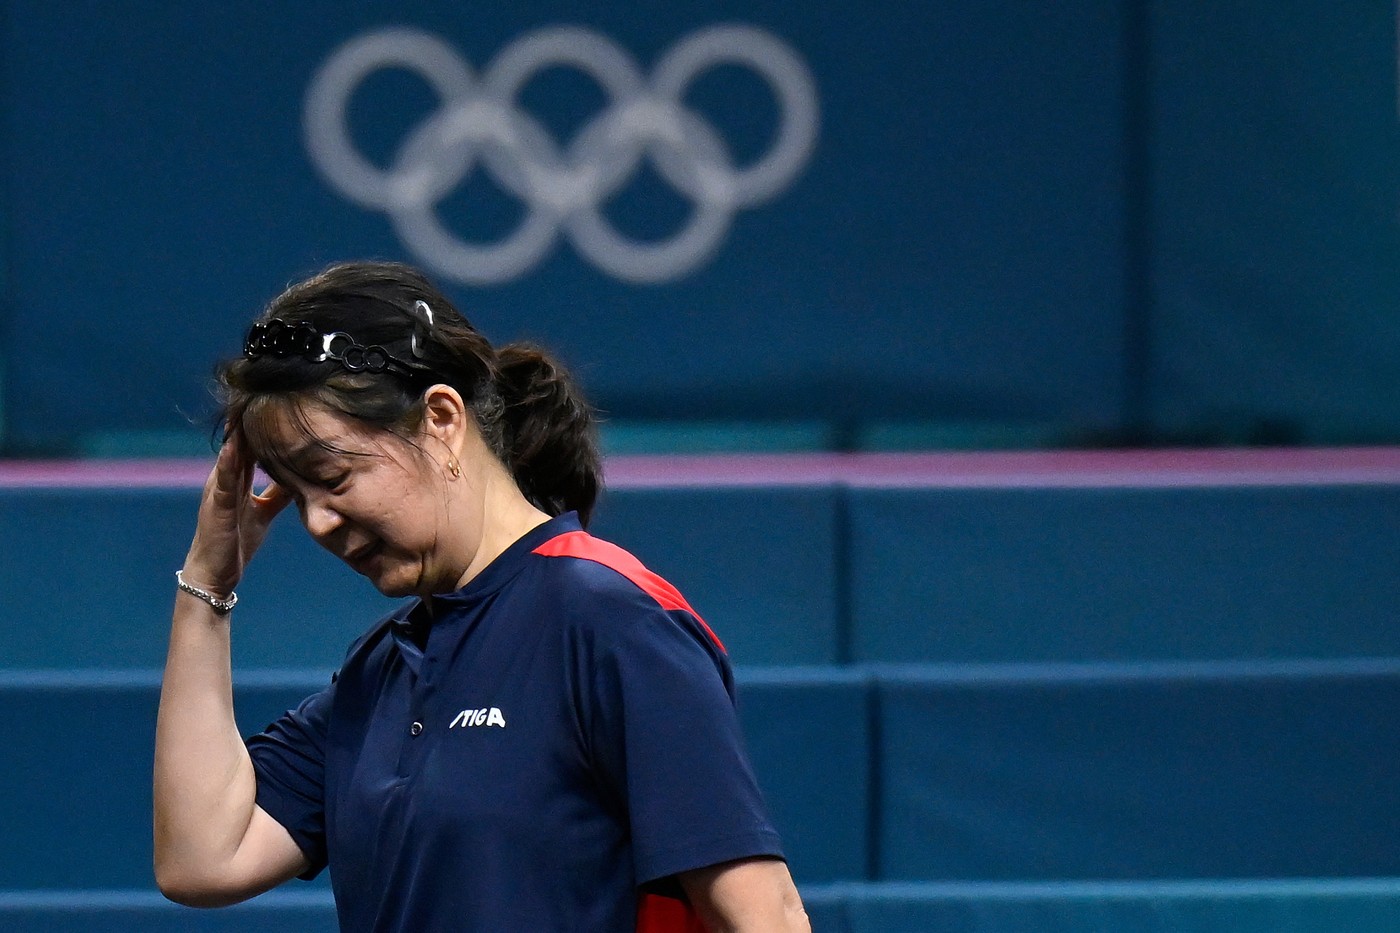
[1108,217]
[1162,704]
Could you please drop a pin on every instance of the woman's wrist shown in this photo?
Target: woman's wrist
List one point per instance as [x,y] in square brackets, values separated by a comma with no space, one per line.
[220,600]
[210,572]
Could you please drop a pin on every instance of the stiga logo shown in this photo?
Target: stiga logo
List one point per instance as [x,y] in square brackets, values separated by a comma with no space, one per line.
[479,717]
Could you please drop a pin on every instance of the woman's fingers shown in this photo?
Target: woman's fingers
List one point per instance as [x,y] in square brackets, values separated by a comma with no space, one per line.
[258,509]
[269,492]
[233,518]
[270,501]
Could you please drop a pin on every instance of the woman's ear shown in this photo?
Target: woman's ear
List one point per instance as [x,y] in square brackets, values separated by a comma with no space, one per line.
[447,417]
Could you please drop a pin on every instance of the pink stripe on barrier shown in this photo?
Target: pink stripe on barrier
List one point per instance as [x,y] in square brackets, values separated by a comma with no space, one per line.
[1233,467]
[1119,468]
[104,474]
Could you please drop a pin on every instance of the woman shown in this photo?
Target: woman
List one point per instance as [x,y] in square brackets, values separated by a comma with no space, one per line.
[542,739]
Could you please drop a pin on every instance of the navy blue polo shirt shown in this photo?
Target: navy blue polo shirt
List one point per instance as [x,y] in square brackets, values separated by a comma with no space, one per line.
[563,743]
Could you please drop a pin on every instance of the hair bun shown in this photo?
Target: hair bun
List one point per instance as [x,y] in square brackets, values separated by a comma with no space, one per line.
[550,432]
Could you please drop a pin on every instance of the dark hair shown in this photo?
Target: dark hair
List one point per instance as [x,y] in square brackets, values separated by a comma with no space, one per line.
[530,413]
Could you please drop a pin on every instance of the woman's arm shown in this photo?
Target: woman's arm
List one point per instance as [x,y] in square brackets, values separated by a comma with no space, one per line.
[213,845]
[747,896]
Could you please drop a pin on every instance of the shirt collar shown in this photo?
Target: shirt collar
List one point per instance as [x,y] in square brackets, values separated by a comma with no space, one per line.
[509,562]
[496,575]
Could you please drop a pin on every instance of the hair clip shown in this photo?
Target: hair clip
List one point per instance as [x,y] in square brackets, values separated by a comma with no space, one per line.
[281,339]
[422,315]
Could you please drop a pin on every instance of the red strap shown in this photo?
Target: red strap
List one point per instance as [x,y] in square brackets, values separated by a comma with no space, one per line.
[582,545]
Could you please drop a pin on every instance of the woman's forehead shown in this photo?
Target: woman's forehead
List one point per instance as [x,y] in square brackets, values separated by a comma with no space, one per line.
[285,418]
[294,434]
[282,423]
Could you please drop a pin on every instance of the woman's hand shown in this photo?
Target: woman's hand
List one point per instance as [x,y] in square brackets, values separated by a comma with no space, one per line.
[233,520]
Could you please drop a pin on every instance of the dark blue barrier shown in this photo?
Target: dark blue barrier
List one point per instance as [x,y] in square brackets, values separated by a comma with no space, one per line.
[92,583]
[89,578]
[76,783]
[929,574]
[1139,771]
[760,564]
[809,735]
[147,912]
[1051,574]
[1356,906]
[979,774]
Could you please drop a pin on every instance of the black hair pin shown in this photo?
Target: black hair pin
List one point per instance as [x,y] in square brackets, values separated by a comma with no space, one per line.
[282,339]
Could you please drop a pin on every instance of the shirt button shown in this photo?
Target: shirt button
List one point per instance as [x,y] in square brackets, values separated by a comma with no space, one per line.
[415,729]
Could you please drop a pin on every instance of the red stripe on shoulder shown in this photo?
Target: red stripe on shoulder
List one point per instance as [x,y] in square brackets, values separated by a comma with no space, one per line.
[659,914]
[584,546]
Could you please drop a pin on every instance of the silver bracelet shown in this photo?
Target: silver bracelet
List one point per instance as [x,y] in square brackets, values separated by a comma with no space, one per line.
[222,606]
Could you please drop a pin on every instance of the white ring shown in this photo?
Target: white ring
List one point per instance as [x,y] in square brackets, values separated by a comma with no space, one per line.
[328,98]
[790,80]
[479,122]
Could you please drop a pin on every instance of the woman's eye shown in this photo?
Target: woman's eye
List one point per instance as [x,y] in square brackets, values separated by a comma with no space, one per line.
[335,482]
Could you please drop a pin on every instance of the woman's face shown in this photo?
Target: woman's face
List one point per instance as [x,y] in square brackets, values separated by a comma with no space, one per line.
[373,500]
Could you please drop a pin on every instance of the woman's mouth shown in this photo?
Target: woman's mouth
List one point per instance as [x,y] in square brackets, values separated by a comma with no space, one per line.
[361,558]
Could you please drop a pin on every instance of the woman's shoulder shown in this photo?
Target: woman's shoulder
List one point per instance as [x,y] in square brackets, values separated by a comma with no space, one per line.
[595,567]
[601,587]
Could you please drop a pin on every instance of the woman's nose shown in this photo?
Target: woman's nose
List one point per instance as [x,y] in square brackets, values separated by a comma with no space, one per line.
[320,519]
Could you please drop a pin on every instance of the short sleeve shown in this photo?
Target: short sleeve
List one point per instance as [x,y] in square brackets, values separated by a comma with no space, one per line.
[289,760]
[666,735]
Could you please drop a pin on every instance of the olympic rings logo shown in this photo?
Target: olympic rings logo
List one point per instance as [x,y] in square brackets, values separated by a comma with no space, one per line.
[563,191]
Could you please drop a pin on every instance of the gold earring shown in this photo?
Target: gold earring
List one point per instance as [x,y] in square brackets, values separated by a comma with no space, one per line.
[453,468]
